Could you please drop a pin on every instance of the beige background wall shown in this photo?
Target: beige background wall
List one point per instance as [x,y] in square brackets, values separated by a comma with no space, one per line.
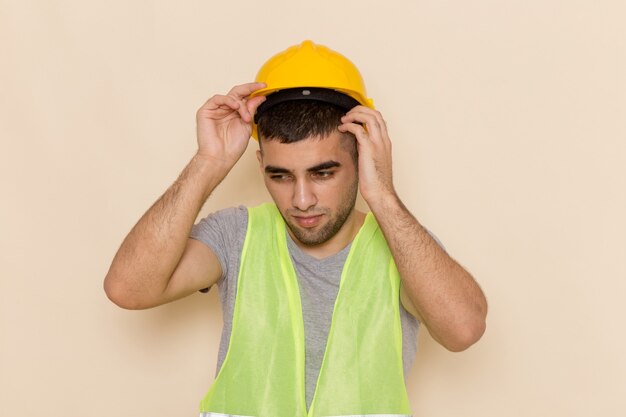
[508,120]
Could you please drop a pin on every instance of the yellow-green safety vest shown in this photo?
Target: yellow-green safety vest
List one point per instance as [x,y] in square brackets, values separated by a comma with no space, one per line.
[263,372]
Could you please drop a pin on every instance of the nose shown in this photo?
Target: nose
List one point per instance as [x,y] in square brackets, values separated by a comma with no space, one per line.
[303,195]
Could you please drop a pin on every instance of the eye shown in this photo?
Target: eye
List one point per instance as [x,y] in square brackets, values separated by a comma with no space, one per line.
[280,177]
[323,174]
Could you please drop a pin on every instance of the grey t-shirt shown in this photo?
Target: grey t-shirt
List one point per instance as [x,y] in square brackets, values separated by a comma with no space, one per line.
[318,279]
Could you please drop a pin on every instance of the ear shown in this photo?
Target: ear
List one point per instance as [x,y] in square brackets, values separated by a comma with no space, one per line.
[259,157]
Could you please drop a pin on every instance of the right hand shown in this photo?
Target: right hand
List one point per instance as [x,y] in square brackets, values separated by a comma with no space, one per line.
[224,124]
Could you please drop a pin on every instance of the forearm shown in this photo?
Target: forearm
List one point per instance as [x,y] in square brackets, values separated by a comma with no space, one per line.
[150,253]
[446,297]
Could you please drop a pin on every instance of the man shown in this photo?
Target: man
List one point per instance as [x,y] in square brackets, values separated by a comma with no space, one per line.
[321,301]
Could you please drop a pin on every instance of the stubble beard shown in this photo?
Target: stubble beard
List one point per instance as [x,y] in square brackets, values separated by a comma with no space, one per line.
[330,229]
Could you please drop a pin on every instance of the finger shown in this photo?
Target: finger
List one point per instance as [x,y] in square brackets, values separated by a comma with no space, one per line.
[248,108]
[243,111]
[254,104]
[369,120]
[374,113]
[380,125]
[244,90]
[231,102]
[358,131]
[219,100]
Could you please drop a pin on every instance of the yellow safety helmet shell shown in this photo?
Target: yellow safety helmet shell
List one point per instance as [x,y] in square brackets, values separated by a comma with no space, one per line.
[315,66]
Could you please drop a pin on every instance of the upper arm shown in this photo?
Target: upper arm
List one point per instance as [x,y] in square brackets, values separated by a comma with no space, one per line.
[207,252]
[407,303]
[198,268]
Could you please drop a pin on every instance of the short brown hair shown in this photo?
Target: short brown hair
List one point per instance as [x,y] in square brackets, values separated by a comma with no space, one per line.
[293,121]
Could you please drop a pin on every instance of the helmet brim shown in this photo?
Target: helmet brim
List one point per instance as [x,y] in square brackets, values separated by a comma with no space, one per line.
[326,95]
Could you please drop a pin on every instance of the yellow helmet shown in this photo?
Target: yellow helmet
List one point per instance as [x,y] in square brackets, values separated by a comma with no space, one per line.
[313,72]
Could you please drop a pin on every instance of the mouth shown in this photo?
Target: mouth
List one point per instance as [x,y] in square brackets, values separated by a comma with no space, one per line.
[308,221]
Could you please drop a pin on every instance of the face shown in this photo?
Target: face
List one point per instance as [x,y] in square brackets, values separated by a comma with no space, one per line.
[314,184]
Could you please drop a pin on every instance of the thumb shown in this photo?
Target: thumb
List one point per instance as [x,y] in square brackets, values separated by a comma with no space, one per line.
[254,104]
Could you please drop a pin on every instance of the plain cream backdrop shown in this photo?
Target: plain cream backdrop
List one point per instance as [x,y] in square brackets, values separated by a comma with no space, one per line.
[509,124]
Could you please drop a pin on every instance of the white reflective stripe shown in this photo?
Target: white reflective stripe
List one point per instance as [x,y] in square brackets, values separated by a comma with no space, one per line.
[354,415]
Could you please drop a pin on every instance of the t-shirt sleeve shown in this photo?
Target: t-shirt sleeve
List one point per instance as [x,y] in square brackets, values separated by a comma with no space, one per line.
[222,231]
[436,239]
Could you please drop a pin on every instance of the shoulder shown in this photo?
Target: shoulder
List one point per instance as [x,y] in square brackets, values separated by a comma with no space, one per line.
[221,230]
[230,214]
[226,219]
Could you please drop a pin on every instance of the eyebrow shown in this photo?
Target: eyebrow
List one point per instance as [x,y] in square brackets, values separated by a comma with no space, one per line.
[270,169]
[324,165]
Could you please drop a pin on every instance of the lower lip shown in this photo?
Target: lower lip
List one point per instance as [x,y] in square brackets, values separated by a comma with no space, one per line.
[308,221]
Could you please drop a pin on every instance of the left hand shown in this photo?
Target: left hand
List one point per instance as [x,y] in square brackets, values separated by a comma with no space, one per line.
[375,173]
